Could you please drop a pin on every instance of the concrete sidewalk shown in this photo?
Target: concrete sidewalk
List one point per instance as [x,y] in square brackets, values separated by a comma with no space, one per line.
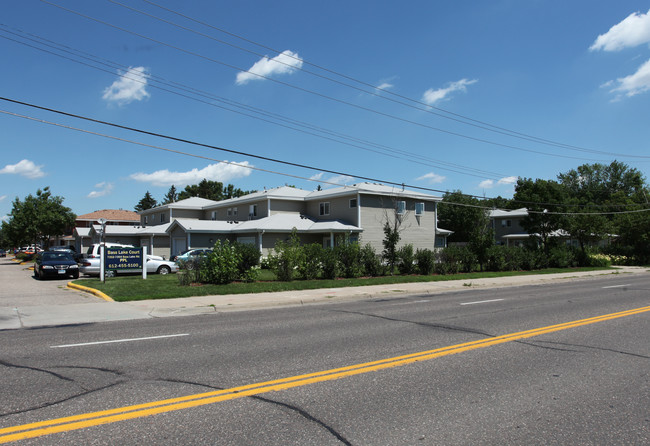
[98,310]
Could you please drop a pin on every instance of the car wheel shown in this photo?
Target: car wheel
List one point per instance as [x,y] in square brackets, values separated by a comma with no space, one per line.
[164,269]
[75,276]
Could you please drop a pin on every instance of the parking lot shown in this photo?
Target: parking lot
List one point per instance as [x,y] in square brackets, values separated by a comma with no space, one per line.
[19,288]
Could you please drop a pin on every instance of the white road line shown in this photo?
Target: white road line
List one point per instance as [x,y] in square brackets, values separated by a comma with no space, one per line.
[120,340]
[616,286]
[481,302]
[411,302]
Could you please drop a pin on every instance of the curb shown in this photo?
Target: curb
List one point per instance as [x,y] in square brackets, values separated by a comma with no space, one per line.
[93,291]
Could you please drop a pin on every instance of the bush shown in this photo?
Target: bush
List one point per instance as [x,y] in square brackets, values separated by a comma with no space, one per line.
[286,258]
[496,258]
[249,257]
[221,266]
[330,264]
[349,258]
[426,261]
[405,259]
[562,257]
[371,262]
[310,260]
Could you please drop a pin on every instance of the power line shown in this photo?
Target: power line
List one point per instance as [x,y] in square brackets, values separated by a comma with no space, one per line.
[303,166]
[324,96]
[427,107]
[329,135]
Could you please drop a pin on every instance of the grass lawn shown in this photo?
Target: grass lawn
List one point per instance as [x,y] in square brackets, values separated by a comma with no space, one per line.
[128,288]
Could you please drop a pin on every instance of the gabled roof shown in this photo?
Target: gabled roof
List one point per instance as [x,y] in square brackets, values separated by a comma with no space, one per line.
[372,189]
[274,223]
[197,203]
[282,193]
[111,215]
[504,213]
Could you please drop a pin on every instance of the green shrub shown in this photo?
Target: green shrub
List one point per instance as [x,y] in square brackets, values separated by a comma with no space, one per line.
[562,257]
[371,262]
[496,258]
[406,259]
[249,257]
[426,261]
[309,261]
[286,257]
[330,264]
[221,266]
[349,258]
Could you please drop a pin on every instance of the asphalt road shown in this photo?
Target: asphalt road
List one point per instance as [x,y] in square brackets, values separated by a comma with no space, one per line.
[581,383]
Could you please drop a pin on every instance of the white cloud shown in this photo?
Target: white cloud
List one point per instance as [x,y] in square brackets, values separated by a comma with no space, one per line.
[634,30]
[285,62]
[130,86]
[3,198]
[223,172]
[432,178]
[25,168]
[104,189]
[486,184]
[633,84]
[384,86]
[508,180]
[432,96]
[332,181]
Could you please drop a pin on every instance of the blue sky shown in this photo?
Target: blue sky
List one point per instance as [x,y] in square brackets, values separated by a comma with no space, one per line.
[465,95]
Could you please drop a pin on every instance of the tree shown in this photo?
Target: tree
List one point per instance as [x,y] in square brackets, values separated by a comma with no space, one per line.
[595,188]
[460,213]
[538,195]
[37,219]
[481,238]
[147,202]
[171,196]
[211,190]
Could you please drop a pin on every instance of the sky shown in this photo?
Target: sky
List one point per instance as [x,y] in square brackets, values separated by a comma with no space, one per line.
[444,96]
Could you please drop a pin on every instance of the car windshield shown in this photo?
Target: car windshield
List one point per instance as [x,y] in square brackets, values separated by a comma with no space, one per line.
[56,256]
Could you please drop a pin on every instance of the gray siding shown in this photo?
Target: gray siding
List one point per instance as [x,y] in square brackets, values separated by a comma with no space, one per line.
[339,209]
[286,206]
[416,230]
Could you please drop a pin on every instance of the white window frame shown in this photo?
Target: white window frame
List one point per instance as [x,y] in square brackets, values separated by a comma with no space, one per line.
[213,215]
[419,208]
[355,201]
[252,210]
[234,212]
[324,208]
[401,207]
[229,212]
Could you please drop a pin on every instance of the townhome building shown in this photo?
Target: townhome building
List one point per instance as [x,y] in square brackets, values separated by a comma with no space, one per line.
[357,212]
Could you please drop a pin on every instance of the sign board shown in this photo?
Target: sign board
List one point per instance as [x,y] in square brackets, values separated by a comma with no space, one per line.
[120,259]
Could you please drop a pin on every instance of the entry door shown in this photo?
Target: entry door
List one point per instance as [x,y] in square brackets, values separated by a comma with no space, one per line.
[178,245]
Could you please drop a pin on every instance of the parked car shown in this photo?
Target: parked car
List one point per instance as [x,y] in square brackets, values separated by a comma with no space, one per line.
[3,253]
[93,250]
[155,265]
[55,264]
[188,254]
[69,249]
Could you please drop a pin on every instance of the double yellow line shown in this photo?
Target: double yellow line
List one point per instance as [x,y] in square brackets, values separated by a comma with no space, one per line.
[82,421]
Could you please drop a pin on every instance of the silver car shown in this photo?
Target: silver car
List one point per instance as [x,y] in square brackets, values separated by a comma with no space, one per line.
[155,265]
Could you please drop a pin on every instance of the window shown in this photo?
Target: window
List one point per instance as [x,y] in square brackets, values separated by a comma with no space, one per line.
[234,212]
[146,219]
[213,215]
[229,212]
[162,218]
[401,207]
[324,208]
[353,203]
[419,208]
[252,210]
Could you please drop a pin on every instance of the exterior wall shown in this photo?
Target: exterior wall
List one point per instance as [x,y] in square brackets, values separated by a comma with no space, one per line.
[416,230]
[501,228]
[339,209]
[286,206]
[161,245]
[181,213]
[242,211]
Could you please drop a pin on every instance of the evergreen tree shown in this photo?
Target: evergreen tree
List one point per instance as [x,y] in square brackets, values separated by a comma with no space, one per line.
[171,196]
[147,202]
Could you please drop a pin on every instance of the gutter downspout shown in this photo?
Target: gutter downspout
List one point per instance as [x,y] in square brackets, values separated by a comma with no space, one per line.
[435,224]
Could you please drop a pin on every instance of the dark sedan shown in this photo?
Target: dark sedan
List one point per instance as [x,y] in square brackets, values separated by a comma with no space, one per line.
[55,264]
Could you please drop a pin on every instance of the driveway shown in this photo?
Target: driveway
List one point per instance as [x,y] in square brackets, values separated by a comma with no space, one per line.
[19,288]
